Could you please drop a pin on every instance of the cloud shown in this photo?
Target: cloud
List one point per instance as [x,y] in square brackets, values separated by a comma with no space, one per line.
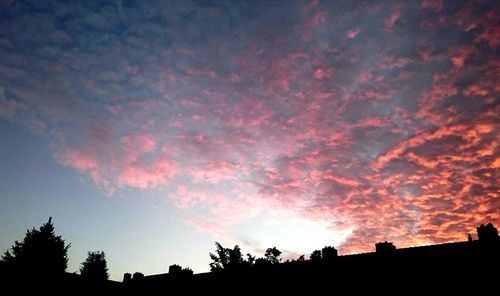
[392,19]
[351,34]
[490,28]
[434,5]
[158,173]
[7,107]
[323,73]
[135,146]
[79,160]
[244,116]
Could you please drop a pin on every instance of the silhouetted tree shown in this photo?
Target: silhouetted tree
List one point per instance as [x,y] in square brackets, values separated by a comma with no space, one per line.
[174,268]
[41,252]
[272,255]
[301,258]
[316,255]
[229,259]
[250,259]
[220,259]
[235,257]
[329,253]
[95,267]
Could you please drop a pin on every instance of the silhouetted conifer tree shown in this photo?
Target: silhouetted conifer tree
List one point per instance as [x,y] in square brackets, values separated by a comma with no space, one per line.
[41,253]
[95,267]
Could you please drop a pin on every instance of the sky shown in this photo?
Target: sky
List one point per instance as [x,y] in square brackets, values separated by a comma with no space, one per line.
[151,129]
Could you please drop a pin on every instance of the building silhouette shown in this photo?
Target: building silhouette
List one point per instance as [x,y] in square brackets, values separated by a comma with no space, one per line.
[385,248]
[487,233]
[433,268]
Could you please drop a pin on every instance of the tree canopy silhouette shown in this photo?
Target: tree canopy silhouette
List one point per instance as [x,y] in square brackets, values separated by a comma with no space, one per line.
[95,267]
[316,255]
[329,253]
[272,255]
[229,259]
[41,252]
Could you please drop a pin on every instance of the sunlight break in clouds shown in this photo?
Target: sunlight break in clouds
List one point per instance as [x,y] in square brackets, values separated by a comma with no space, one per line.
[293,124]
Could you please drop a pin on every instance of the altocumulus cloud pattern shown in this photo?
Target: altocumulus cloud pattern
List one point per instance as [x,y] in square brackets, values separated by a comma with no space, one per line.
[376,120]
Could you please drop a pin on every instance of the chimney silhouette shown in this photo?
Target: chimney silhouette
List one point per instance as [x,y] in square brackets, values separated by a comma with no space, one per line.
[384,248]
[127,277]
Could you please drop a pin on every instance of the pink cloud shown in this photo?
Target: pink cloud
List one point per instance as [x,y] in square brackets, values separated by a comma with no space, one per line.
[442,88]
[392,19]
[395,62]
[476,90]
[215,212]
[234,77]
[135,146]
[460,55]
[418,140]
[434,5]
[201,72]
[351,34]
[79,160]
[426,53]
[463,18]
[187,197]
[313,21]
[372,122]
[158,173]
[216,172]
[111,169]
[85,162]
[365,76]
[490,35]
[323,73]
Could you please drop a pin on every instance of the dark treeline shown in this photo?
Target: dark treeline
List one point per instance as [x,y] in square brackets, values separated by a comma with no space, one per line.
[40,259]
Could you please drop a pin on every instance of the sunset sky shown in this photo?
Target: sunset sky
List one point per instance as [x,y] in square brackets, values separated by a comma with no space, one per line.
[151,129]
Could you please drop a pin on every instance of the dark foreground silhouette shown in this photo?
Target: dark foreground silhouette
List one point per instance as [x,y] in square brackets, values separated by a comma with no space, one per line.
[38,264]
[469,266]
[472,265]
